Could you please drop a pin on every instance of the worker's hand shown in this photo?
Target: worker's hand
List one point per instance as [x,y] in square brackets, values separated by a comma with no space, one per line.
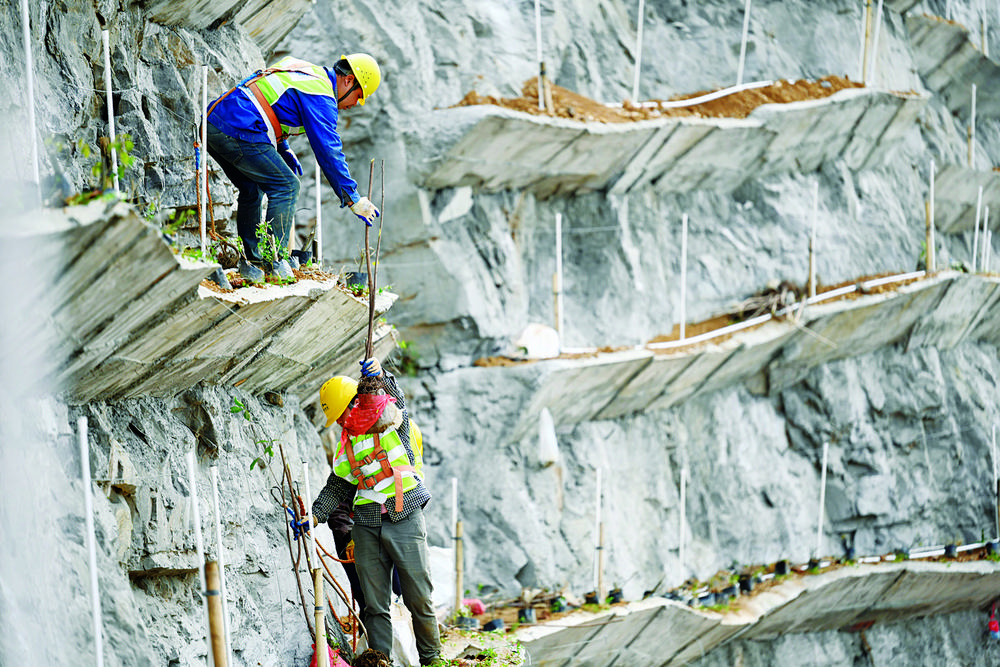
[288,155]
[370,368]
[365,210]
[349,550]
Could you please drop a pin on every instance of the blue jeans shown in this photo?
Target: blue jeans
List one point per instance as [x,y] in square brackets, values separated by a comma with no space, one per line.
[256,169]
[376,550]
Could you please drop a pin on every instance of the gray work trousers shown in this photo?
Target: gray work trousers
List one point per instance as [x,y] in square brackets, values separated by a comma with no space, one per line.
[404,544]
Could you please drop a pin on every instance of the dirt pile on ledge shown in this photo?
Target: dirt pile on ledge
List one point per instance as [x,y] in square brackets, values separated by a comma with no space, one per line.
[737,105]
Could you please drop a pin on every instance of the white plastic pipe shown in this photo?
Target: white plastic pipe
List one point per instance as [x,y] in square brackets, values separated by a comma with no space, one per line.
[199,550]
[812,241]
[931,252]
[597,532]
[985,236]
[558,281]
[972,131]
[684,244]
[874,52]
[683,519]
[204,164]
[743,44]
[30,75]
[822,501]
[454,506]
[864,40]
[639,19]
[222,566]
[111,106]
[538,42]
[986,33]
[88,503]
[996,473]
[989,251]
[319,220]
[975,235]
[312,542]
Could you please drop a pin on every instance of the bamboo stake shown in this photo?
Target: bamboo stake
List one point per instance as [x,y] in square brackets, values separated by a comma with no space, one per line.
[221,564]
[318,238]
[930,259]
[812,242]
[216,615]
[557,280]
[743,44]
[369,344]
[597,531]
[541,64]
[989,251]
[322,654]
[639,20]
[681,522]
[601,593]
[199,542]
[88,503]
[111,108]
[867,41]
[204,160]
[972,131]
[822,502]
[459,568]
[985,235]
[975,235]
[30,75]
[684,245]
[873,61]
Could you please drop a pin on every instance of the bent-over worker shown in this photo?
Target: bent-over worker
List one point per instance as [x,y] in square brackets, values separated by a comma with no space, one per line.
[248,130]
[389,527]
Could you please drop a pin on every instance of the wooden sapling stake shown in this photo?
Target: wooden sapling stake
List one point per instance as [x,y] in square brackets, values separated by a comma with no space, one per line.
[743,44]
[996,480]
[822,502]
[216,617]
[680,523]
[975,235]
[221,566]
[459,567]
[601,593]
[198,541]
[684,253]
[972,131]
[867,40]
[812,242]
[88,502]
[203,166]
[557,281]
[318,232]
[929,259]
[541,64]
[597,533]
[371,278]
[322,654]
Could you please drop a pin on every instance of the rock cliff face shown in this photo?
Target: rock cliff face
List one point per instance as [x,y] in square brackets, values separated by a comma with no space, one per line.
[909,431]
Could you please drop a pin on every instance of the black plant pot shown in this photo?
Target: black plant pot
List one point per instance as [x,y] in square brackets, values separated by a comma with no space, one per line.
[950,550]
[558,605]
[732,591]
[615,596]
[495,624]
[467,623]
[526,615]
[848,553]
[356,278]
[746,583]
[707,599]
[304,256]
[781,567]
[590,598]
[993,547]
[813,564]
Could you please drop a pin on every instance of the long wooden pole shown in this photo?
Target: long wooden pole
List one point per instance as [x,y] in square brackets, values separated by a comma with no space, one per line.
[198,541]
[318,238]
[996,480]
[221,564]
[88,502]
[322,654]
[601,593]
[203,167]
[369,345]
[216,616]
[682,520]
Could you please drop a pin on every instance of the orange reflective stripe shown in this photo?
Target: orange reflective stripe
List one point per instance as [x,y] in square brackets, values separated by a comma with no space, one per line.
[268,111]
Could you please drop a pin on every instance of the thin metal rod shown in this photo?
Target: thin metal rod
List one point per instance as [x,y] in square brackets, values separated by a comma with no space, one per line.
[88,502]
[975,235]
[812,241]
[985,33]
[684,245]
[822,502]
[996,480]
[30,75]
[111,107]
[743,44]
[597,530]
[931,258]
[204,163]
[222,564]
[874,53]
[639,20]
[972,131]
[866,20]
[985,235]
[199,549]
[319,219]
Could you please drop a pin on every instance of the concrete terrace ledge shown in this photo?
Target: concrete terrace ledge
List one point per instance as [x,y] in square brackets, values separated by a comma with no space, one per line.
[941,311]
[949,63]
[122,316]
[660,632]
[493,149]
[956,191]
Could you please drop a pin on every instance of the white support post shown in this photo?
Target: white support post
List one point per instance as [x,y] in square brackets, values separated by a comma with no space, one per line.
[684,243]
[312,541]
[318,238]
[557,280]
[639,20]
[541,65]
[200,551]
[597,533]
[812,241]
[931,252]
[996,486]
[683,518]
[30,75]
[222,565]
[822,502]
[972,131]
[204,163]
[743,44]
[866,9]
[985,236]
[975,235]
[111,107]
[88,503]
[985,33]
[873,61]
[989,251]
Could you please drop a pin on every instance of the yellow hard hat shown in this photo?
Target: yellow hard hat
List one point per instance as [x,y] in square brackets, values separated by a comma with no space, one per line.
[367,73]
[416,437]
[335,395]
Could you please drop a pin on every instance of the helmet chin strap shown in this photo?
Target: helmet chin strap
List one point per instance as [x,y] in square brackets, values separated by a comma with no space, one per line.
[352,89]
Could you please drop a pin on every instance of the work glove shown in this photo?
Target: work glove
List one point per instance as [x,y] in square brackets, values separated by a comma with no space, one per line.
[288,155]
[349,550]
[298,527]
[365,210]
[370,368]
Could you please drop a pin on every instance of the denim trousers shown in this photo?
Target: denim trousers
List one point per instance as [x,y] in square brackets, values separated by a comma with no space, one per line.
[376,550]
[256,169]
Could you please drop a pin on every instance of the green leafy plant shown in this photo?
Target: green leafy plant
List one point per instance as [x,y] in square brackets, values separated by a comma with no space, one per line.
[240,408]
[409,358]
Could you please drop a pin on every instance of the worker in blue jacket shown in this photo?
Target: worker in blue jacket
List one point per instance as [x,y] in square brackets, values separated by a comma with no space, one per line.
[247,135]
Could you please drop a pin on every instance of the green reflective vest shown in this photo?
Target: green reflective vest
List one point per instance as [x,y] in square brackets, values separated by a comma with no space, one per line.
[298,74]
[381,479]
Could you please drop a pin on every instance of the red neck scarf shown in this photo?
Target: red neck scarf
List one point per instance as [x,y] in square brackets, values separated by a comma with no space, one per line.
[363,416]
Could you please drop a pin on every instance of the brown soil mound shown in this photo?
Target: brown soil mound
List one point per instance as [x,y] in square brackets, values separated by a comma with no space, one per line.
[738,105]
